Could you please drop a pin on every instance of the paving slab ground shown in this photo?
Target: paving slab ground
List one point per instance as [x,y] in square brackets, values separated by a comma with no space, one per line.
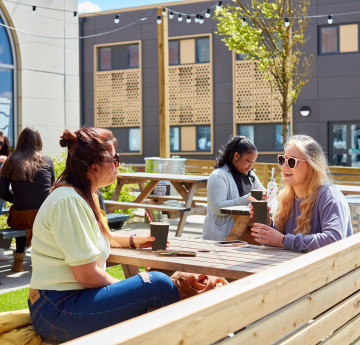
[16,280]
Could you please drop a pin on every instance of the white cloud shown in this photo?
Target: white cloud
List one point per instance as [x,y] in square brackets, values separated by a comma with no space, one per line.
[88,6]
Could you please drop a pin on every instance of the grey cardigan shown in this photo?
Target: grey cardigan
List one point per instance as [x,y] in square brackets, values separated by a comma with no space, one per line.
[223,192]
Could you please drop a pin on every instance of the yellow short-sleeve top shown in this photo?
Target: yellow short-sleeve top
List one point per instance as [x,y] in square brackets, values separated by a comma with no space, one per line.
[65,233]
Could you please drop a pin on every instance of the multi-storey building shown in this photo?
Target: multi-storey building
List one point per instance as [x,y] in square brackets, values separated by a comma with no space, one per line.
[213,93]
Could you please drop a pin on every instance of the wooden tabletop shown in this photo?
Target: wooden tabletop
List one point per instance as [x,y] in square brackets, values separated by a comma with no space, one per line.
[228,262]
[238,210]
[163,177]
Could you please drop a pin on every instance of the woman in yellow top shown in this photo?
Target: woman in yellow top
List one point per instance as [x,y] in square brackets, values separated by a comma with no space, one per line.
[71,294]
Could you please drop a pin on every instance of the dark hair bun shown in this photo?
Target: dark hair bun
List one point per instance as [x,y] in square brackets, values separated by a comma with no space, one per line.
[68,139]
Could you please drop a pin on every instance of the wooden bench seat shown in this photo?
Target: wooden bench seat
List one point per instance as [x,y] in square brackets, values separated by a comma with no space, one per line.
[113,205]
[311,299]
[163,198]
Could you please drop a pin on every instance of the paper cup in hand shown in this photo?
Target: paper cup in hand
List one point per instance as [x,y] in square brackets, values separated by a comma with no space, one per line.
[160,231]
[260,211]
[257,194]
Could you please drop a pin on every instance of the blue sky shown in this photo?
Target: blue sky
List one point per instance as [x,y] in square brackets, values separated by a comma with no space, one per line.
[104,5]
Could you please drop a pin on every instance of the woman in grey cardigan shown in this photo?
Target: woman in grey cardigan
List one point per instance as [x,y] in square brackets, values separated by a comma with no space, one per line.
[229,185]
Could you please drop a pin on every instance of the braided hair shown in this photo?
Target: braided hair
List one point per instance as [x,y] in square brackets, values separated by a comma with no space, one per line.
[239,144]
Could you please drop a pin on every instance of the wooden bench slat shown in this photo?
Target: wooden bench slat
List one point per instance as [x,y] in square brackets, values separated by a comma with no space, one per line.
[300,312]
[125,204]
[320,328]
[176,198]
[345,334]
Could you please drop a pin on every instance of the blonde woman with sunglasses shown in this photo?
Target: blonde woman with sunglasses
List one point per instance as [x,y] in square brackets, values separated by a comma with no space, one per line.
[311,211]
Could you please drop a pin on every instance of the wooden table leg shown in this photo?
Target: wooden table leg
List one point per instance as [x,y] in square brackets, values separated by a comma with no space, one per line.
[241,223]
[130,270]
[117,190]
[145,192]
[188,203]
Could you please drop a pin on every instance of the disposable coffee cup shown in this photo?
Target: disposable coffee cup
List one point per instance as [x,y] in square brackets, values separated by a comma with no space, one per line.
[257,194]
[260,211]
[160,231]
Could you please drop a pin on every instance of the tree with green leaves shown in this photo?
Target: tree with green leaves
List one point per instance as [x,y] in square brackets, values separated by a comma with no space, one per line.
[272,32]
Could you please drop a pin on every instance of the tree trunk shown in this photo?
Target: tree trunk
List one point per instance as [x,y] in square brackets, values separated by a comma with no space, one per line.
[285,126]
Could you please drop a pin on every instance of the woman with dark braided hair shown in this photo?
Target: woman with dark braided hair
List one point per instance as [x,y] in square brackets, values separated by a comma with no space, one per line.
[229,185]
[71,294]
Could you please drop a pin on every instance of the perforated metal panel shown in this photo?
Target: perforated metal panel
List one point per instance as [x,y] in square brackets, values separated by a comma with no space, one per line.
[190,94]
[118,98]
[253,98]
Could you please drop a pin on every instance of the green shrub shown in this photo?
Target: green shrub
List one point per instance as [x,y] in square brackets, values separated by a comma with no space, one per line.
[125,194]
[107,192]
[59,162]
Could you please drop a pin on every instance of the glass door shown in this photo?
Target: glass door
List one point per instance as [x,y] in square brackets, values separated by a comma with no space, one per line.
[344,144]
[354,150]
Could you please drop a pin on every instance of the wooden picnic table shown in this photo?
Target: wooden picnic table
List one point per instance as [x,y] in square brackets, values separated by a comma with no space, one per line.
[228,262]
[348,189]
[185,185]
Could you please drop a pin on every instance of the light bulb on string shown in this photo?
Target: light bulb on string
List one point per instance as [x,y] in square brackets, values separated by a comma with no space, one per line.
[180,18]
[208,14]
[197,18]
[158,20]
[164,11]
[201,20]
[75,15]
[218,6]
[117,19]
[171,15]
[188,19]
[287,23]
[33,9]
[330,19]
[243,21]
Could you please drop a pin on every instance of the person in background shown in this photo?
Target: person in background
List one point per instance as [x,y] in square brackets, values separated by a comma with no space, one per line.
[30,174]
[5,148]
[70,290]
[230,185]
[5,152]
[311,211]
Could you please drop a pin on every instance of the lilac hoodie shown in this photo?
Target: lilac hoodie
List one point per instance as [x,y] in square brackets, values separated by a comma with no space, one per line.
[330,222]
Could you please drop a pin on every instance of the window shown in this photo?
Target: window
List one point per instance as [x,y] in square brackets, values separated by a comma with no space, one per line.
[7,87]
[339,39]
[118,57]
[190,138]
[174,52]
[247,131]
[202,50]
[174,139]
[329,39]
[203,138]
[189,51]
[134,139]
[267,137]
[344,143]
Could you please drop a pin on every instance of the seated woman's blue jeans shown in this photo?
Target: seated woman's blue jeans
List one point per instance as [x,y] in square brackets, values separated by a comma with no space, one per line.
[59,316]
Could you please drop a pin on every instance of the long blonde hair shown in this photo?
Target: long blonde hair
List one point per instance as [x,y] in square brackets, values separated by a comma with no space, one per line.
[318,174]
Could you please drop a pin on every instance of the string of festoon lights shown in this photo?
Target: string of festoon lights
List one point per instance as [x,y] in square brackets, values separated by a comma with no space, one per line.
[198,17]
